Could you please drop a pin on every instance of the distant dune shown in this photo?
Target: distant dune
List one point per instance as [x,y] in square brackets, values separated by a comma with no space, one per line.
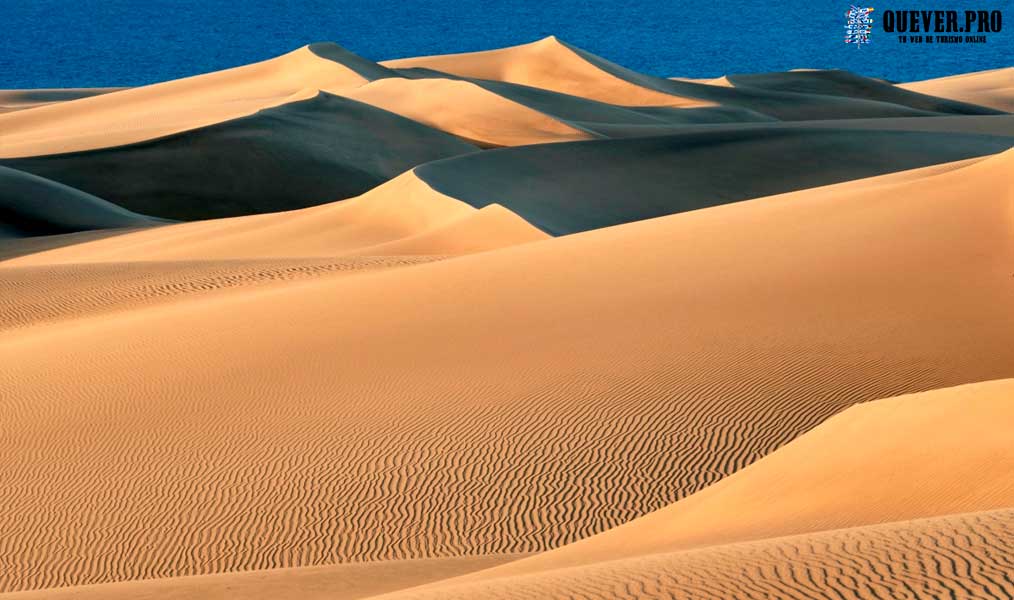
[987,88]
[12,100]
[520,323]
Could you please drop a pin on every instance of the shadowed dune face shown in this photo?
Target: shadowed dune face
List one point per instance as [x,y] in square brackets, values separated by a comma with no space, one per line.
[300,154]
[568,188]
[393,379]
[31,205]
[850,85]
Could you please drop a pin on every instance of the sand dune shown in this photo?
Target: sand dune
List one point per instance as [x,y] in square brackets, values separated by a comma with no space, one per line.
[836,82]
[466,110]
[962,556]
[333,582]
[403,216]
[299,154]
[924,455]
[769,353]
[987,88]
[152,111]
[12,100]
[554,65]
[566,188]
[400,224]
[549,64]
[334,419]
[31,205]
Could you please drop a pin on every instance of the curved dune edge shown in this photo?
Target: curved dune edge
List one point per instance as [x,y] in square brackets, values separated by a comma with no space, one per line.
[32,205]
[994,88]
[151,111]
[547,64]
[403,223]
[257,430]
[910,457]
[721,81]
[466,110]
[402,214]
[963,556]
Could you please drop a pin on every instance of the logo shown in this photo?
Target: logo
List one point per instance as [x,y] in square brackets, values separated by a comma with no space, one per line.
[858,25]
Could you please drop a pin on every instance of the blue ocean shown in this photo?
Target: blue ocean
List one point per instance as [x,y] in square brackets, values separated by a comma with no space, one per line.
[77,43]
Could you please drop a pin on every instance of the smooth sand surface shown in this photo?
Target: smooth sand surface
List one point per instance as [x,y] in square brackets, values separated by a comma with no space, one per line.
[993,88]
[429,411]
[768,354]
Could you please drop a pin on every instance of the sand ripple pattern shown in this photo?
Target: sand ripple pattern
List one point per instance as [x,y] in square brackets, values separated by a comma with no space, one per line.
[968,556]
[32,295]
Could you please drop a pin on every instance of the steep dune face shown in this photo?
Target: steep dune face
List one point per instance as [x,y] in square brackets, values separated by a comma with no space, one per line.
[299,154]
[31,205]
[956,556]
[987,88]
[547,64]
[152,111]
[509,401]
[566,188]
[402,211]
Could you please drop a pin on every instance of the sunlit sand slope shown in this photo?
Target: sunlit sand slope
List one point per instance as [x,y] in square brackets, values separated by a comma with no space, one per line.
[555,65]
[466,110]
[507,401]
[917,456]
[967,556]
[549,64]
[12,100]
[403,216]
[988,88]
[151,111]
[331,582]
